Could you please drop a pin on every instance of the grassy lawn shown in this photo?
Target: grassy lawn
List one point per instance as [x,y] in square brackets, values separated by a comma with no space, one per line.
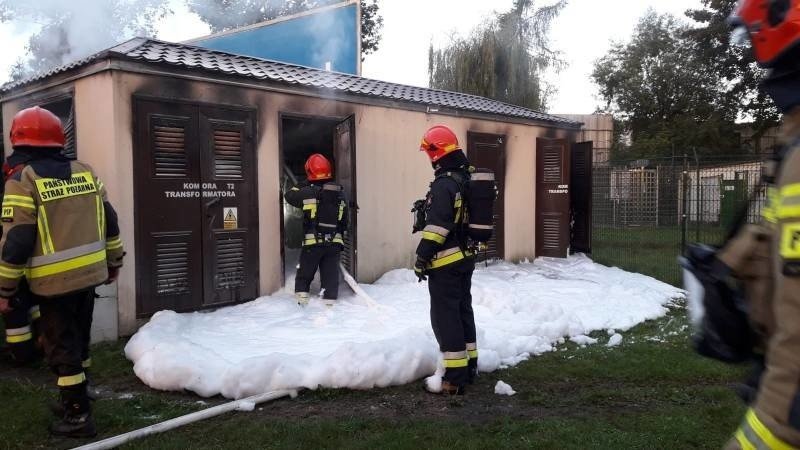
[649,250]
[650,392]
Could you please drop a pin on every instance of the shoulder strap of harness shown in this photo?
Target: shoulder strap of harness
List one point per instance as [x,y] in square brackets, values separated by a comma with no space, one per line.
[9,171]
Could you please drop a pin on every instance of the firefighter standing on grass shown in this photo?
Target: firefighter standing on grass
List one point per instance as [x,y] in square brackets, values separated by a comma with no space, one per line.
[324,227]
[761,319]
[445,261]
[61,235]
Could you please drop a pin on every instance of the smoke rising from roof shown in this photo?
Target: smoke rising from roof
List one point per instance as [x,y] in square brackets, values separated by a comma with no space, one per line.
[73,29]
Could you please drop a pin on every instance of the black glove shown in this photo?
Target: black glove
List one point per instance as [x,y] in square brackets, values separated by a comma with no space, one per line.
[420,269]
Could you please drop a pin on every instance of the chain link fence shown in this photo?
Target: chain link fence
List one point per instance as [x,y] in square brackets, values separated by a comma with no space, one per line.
[645,212]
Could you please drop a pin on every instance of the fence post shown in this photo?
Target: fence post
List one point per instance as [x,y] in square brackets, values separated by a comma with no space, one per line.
[685,202]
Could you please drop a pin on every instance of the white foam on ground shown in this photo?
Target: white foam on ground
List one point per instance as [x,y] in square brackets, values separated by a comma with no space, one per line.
[502,388]
[271,343]
[614,340]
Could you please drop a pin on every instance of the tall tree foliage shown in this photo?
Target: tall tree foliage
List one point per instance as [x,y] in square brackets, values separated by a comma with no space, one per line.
[222,15]
[732,65]
[72,30]
[664,94]
[505,59]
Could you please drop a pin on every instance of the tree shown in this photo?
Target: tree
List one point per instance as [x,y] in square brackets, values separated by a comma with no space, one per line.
[73,30]
[733,65]
[504,59]
[665,96]
[223,15]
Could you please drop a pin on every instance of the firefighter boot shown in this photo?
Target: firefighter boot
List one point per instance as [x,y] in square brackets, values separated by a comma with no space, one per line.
[473,371]
[77,421]
[302,298]
[446,389]
[57,407]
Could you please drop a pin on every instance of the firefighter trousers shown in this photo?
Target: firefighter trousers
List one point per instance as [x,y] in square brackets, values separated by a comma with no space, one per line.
[66,325]
[22,327]
[453,321]
[326,258]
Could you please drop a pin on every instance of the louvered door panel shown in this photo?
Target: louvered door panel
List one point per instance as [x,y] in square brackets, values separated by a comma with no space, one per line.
[229,273]
[230,205]
[552,198]
[169,260]
[227,151]
[169,148]
[172,266]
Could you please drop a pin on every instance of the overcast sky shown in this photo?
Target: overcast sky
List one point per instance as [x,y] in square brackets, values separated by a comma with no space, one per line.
[583,33]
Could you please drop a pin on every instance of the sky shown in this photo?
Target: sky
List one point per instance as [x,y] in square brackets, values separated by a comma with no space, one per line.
[583,33]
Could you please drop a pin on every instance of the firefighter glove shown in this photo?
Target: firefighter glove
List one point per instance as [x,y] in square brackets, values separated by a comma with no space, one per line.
[420,270]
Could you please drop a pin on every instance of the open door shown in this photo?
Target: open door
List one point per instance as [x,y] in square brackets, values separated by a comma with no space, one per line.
[552,197]
[344,153]
[581,197]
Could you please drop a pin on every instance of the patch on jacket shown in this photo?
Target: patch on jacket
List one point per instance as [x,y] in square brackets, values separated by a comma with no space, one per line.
[8,214]
[790,241]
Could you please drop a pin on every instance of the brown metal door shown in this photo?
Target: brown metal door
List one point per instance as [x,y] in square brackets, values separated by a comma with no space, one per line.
[581,197]
[229,202]
[344,154]
[552,197]
[168,232]
[488,151]
[196,206]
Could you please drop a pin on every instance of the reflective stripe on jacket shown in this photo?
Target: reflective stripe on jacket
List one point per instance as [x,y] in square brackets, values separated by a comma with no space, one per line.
[61,234]
[305,197]
[444,216]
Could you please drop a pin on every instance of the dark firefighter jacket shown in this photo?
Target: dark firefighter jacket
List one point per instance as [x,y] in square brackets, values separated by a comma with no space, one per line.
[444,238]
[59,230]
[306,196]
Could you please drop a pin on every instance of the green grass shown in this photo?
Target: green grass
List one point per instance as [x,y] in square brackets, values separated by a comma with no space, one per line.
[650,392]
[651,251]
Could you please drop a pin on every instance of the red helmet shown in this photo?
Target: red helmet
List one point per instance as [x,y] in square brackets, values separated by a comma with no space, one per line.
[36,127]
[439,141]
[773,26]
[318,168]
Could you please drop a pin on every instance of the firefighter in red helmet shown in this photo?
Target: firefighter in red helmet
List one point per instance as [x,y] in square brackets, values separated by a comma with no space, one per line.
[60,235]
[324,228]
[761,320]
[444,260]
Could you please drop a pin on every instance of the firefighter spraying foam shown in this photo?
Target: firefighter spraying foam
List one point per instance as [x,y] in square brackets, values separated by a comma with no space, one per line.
[324,227]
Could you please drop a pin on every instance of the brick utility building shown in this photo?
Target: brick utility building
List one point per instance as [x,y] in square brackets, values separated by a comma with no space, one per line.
[195,147]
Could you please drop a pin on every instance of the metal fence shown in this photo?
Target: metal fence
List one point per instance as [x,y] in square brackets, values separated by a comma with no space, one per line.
[645,212]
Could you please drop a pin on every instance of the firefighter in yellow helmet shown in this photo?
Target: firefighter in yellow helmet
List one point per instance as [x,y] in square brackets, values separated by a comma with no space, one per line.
[751,286]
[60,234]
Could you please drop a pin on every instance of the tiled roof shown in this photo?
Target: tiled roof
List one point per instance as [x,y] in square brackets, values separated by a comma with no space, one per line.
[191,57]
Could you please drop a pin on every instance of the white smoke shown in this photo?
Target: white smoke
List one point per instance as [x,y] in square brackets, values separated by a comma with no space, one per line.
[73,29]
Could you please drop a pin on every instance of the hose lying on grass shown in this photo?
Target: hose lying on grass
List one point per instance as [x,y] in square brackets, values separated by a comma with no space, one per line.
[245,404]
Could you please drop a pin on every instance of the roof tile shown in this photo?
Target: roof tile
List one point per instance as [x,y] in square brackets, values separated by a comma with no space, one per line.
[181,55]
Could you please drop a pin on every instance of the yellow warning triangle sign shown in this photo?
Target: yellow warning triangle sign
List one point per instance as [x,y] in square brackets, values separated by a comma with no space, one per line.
[231,216]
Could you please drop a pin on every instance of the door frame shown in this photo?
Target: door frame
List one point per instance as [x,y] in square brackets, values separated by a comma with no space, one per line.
[138,217]
[334,120]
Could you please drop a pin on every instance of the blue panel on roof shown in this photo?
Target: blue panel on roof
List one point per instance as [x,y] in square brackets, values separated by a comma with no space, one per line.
[314,40]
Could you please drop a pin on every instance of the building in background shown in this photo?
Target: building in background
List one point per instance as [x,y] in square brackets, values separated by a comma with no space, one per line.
[599,129]
[195,145]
